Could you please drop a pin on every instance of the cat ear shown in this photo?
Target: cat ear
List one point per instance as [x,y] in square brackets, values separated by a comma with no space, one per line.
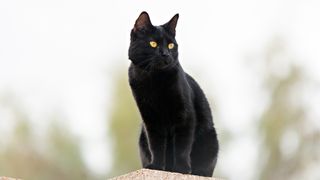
[171,25]
[143,22]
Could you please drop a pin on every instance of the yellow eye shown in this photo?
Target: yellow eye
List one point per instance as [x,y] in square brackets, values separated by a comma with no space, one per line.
[170,45]
[153,44]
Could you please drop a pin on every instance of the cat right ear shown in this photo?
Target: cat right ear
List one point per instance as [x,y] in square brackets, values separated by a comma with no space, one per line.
[143,22]
[171,25]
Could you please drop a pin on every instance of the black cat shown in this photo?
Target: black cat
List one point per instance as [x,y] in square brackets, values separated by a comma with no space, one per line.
[177,130]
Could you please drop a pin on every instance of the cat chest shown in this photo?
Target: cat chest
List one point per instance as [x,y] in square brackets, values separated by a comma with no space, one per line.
[163,102]
[163,105]
[161,99]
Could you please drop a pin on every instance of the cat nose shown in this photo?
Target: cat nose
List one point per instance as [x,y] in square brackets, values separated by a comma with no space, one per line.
[164,53]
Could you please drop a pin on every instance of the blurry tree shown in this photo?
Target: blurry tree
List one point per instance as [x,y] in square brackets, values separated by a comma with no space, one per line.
[64,151]
[289,144]
[27,156]
[124,128]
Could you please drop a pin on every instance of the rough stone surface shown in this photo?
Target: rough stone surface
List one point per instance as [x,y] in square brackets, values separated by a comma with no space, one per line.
[8,178]
[147,174]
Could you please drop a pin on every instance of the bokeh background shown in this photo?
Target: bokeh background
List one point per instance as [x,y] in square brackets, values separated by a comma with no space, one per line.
[66,110]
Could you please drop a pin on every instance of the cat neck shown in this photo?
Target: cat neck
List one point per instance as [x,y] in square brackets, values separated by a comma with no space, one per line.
[156,75]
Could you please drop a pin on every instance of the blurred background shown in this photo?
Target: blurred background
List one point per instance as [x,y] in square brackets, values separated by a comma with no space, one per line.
[66,110]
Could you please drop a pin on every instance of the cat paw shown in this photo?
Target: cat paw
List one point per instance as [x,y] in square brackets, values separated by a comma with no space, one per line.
[182,169]
[154,166]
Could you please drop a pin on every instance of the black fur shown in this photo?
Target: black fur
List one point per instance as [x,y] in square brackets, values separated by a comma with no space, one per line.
[177,129]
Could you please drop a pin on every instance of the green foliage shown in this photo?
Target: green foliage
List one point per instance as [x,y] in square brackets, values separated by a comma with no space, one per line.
[56,156]
[286,143]
[65,152]
[124,128]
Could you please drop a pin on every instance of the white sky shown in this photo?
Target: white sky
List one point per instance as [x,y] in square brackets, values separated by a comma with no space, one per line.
[61,56]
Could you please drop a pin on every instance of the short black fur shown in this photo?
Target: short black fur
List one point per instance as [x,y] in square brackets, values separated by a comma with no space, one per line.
[177,130]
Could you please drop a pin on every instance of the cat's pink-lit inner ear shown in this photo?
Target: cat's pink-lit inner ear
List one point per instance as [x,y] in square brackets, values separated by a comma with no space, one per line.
[143,22]
[172,24]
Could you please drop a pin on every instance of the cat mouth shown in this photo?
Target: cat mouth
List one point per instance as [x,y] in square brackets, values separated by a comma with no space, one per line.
[162,63]
[156,64]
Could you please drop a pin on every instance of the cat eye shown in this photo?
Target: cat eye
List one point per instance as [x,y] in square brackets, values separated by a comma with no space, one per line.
[170,45]
[153,44]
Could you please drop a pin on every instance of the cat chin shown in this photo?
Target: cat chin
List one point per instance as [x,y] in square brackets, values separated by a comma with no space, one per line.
[163,65]
[162,62]
[158,68]
[155,64]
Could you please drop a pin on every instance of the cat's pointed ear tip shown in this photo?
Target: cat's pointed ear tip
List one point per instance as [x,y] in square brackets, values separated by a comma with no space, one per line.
[176,16]
[144,15]
[144,12]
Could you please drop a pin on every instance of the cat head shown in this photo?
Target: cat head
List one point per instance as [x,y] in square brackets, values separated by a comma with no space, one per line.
[153,47]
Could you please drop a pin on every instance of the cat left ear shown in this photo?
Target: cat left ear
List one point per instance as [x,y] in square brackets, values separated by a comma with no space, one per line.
[143,22]
[171,25]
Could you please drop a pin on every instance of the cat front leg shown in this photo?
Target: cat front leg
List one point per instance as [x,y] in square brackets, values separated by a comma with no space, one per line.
[157,146]
[183,147]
